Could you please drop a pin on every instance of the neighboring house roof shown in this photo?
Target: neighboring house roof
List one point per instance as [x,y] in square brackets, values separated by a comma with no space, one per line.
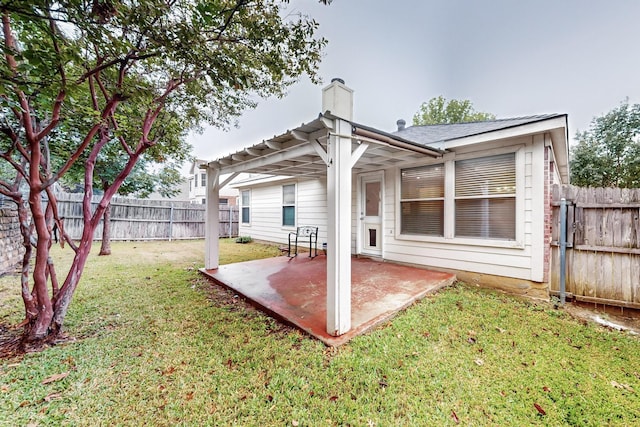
[195,165]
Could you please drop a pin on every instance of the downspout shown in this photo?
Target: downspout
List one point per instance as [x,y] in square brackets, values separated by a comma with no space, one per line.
[563,249]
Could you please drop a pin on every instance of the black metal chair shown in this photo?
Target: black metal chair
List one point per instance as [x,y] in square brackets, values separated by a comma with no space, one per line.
[303,233]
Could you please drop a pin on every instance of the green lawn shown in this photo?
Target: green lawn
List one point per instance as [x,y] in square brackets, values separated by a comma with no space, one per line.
[158,345]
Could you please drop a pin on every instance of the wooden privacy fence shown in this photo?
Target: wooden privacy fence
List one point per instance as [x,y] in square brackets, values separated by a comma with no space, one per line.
[603,245]
[141,219]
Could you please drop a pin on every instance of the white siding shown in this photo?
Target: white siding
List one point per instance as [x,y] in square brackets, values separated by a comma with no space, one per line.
[266,210]
[523,260]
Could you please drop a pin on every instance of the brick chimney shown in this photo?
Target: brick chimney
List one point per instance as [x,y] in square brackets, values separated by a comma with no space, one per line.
[338,99]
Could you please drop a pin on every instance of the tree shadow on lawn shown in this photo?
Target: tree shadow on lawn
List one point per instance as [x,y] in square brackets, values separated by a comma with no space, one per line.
[13,347]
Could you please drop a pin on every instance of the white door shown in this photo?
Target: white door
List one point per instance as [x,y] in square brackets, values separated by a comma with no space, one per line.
[371,215]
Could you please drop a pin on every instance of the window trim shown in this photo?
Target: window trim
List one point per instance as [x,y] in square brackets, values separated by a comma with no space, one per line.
[425,199]
[294,205]
[243,207]
[449,200]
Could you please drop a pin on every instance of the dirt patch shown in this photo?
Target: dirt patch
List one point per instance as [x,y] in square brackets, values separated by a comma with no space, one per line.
[618,318]
[224,297]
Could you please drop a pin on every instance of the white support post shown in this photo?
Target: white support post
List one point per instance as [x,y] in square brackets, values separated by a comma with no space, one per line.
[212,220]
[339,230]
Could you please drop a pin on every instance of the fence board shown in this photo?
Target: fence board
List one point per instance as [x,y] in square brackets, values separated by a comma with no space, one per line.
[141,219]
[603,255]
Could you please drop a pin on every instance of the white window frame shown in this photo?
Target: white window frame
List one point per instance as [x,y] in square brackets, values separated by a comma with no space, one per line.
[294,205]
[243,207]
[449,201]
[424,199]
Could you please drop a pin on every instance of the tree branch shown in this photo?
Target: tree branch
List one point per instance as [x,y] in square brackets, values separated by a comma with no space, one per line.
[108,110]
[24,116]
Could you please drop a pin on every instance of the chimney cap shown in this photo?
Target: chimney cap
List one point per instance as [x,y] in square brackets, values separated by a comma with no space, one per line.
[401,123]
[337,79]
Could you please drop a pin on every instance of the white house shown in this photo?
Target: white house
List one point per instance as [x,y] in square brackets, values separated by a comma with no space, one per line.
[198,186]
[472,198]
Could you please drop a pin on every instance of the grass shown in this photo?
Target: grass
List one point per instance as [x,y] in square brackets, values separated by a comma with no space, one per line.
[158,345]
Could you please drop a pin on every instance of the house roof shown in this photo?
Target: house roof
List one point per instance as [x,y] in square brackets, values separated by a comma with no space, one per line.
[301,152]
[433,134]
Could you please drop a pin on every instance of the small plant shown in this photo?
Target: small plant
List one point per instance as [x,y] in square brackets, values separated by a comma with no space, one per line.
[243,239]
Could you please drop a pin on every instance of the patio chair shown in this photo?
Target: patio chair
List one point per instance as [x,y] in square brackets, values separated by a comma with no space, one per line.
[302,234]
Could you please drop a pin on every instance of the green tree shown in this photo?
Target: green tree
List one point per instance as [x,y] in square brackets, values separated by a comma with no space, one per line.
[82,77]
[608,153]
[158,170]
[440,111]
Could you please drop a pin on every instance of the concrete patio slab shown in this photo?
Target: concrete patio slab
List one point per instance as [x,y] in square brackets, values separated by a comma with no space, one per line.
[294,290]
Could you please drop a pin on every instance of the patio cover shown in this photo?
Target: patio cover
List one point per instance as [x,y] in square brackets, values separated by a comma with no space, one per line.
[330,147]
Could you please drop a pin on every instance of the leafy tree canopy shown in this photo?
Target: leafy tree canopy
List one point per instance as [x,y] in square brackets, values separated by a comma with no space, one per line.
[440,111]
[92,90]
[608,153]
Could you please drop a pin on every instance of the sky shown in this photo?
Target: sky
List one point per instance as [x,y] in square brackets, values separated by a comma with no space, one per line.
[510,58]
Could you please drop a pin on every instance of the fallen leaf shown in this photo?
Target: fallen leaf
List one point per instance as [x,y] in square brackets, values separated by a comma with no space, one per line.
[269,398]
[539,409]
[455,417]
[499,329]
[471,340]
[51,396]
[189,396]
[295,423]
[383,383]
[170,370]
[479,362]
[623,386]
[4,388]
[54,378]
[547,389]
[333,398]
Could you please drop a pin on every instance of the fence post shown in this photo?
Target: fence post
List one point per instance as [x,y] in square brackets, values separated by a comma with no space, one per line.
[171,222]
[563,249]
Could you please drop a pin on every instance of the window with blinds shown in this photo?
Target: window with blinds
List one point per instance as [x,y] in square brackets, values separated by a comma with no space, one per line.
[289,205]
[246,206]
[485,197]
[422,200]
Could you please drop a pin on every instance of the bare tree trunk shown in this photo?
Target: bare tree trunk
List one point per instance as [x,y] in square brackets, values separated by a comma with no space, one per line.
[105,247]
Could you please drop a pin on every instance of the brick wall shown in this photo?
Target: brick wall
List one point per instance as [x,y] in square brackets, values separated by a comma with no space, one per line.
[11,248]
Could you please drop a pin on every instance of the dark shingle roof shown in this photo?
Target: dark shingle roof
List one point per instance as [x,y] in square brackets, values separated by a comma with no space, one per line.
[432,134]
